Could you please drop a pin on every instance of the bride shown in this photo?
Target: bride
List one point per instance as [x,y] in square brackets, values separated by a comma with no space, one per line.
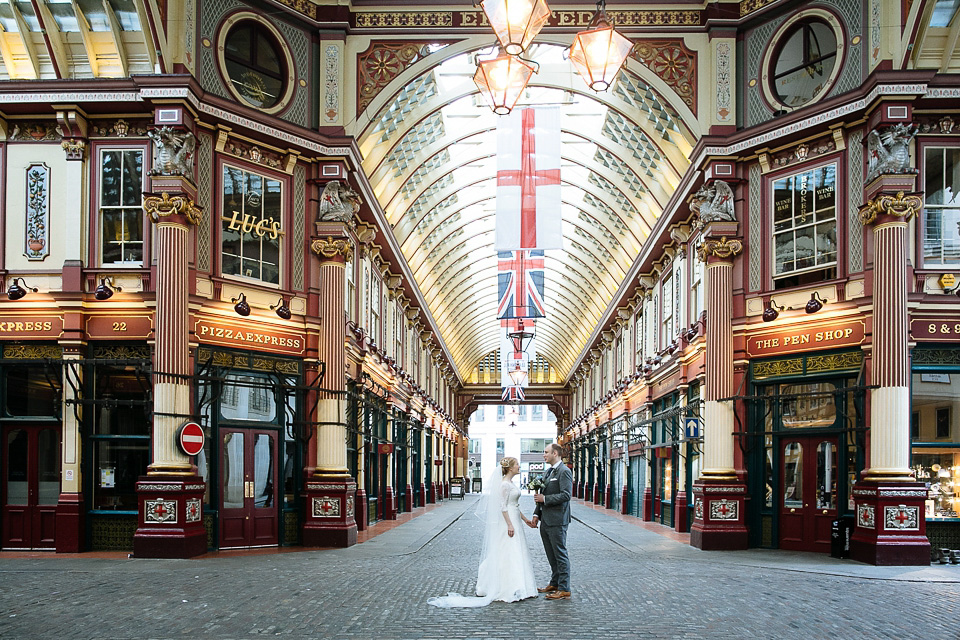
[505,573]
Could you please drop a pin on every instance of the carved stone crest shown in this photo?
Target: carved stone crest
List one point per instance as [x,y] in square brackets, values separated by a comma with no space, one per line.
[338,203]
[714,201]
[172,152]
[888,151]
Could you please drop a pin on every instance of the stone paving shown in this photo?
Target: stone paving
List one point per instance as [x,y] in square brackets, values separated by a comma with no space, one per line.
[628,582]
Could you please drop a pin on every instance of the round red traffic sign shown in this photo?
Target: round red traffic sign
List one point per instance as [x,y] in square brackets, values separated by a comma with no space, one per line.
[190,438]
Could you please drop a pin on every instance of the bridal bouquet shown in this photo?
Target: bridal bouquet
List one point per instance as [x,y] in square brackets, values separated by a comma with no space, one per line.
[535,484]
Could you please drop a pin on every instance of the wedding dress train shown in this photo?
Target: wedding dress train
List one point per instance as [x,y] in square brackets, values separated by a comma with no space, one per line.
[506,572]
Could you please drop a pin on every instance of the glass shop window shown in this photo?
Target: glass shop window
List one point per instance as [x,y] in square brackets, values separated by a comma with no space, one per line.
[941,207]
[120,438]
[121,208]
[248,398]
[30,392]
[252,225]
[935,438]
[805,227]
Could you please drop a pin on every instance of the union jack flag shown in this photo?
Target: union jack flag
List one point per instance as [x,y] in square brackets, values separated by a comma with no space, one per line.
[512,394]
[520,283]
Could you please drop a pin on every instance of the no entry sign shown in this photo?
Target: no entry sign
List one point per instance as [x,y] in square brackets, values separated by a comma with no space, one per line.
[190,438]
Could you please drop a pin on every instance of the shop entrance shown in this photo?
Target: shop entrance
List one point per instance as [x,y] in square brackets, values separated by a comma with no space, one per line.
[809,479]
[31,486]
[249,513]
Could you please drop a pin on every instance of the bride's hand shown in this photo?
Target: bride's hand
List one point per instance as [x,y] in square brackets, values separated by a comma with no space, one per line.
[510,531]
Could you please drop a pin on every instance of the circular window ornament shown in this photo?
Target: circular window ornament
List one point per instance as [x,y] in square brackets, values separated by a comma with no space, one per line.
[804,60]
[254,62]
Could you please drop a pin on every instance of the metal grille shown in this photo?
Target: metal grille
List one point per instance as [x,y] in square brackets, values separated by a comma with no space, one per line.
[204,192]
[299,221]
[756,229]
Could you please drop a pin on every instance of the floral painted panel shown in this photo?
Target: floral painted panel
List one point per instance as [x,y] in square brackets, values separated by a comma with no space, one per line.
[37,236]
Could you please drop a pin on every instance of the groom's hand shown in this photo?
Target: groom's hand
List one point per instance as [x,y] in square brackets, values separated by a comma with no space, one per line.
[538,497]
[533,522]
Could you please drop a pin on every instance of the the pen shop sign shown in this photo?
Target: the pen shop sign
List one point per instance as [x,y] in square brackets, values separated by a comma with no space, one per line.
[830,335]
[243,335]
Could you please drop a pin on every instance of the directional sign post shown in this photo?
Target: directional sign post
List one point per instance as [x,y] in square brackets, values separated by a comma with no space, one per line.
[190,438]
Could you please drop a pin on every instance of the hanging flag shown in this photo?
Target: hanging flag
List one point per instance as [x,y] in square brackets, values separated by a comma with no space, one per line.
[528,180]
[512,394]
[520,282]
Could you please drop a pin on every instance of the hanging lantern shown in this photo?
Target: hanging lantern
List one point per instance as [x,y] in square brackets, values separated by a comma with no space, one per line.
[502,81]
[599,52]
[516,22]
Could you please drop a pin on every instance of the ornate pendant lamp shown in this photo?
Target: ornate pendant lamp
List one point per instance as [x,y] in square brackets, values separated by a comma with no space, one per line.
[502,81]
[599,52]
[516,22]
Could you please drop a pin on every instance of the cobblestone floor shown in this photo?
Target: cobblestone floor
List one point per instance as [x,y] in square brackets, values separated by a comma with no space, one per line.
[627,583]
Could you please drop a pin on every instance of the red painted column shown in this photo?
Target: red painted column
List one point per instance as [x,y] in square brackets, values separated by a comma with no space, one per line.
[330,493]
[170,496]
[890,524]
[718,495]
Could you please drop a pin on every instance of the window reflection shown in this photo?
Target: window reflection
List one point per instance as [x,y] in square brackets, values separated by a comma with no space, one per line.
[814,405]
[793,475]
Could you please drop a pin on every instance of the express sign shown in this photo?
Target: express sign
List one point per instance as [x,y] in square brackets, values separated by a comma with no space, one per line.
[190,438]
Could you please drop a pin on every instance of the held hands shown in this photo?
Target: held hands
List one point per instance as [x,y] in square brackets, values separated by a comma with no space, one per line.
[533,522]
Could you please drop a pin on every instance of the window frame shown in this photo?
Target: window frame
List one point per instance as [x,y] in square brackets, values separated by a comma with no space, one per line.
[923,144]
[286,221]
[96,228]
[283,48]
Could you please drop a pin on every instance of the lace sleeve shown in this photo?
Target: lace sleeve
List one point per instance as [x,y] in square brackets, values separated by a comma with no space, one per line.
[504,495]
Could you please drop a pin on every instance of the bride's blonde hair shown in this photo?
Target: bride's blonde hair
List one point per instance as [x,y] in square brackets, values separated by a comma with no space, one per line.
[505,465]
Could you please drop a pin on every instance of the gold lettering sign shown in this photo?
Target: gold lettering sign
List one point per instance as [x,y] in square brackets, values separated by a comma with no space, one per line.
[807,338]
[245,223]
[229,334]
[937,329]
[31,326]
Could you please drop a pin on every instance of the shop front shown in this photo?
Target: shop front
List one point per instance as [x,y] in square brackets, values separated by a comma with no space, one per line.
[804,447]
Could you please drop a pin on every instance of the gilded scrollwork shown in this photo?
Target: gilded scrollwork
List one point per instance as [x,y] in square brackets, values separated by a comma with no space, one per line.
[723,248]
[897,206]
[159,207]
[330,248]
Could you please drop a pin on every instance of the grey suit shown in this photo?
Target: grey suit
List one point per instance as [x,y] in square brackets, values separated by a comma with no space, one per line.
[554,515]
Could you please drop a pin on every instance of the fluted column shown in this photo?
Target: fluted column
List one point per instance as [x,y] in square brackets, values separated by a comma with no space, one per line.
[718,416]
[890,402]
[719,498]
[331,432]
[173,217]
[890,523]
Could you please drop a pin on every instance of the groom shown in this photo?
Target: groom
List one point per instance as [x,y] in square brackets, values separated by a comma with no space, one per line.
[553,509]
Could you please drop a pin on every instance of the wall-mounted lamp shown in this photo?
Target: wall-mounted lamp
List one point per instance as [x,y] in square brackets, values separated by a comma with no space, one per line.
[15,292]
[104,292]
[772,311]
[240,305]
[815,303]
[281,308]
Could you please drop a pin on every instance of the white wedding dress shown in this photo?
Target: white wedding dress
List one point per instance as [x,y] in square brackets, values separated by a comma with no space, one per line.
[506,572]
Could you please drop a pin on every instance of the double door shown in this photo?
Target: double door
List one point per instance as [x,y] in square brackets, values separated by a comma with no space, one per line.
[249,488]
[31,486]
[808,501]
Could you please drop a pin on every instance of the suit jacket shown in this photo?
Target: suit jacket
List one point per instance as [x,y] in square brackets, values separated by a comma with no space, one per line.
[555,508]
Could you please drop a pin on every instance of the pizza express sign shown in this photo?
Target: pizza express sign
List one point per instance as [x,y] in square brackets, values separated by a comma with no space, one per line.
[254,338]
[807,338]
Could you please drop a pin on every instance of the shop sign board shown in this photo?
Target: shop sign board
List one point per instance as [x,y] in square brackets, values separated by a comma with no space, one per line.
[806,337]
[30,327]
[119,327]
[939,329]
[247,335]
[385,448]
[190,438]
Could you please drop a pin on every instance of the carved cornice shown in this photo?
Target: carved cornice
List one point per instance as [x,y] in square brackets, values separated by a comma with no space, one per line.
[723,249]
[162,206]
[900,208]
[329,248]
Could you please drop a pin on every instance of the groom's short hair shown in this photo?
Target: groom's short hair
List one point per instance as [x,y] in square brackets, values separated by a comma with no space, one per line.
[557,449]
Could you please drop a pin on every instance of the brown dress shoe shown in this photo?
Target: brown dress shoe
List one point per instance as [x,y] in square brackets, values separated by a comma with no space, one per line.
[546,589]
[559,595]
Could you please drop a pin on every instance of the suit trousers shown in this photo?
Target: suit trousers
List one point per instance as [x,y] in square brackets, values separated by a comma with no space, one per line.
[555,544]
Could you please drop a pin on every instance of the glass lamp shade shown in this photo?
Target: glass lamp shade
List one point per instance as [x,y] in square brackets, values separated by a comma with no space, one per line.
[517,376]
[598,55]
[502,80]
[516,22]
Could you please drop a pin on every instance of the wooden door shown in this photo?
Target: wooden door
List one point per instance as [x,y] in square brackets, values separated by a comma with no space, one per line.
[249,512]
[809,481]
[31,486]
